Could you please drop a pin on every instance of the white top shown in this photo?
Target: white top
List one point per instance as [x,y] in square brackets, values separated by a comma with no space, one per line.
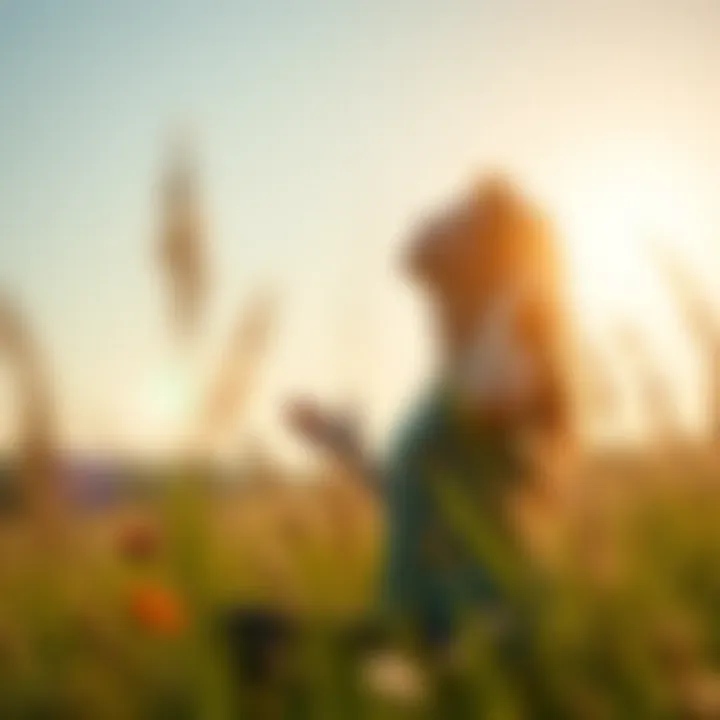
[498,366]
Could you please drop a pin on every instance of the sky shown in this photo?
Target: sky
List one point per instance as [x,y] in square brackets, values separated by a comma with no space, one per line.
[323,130]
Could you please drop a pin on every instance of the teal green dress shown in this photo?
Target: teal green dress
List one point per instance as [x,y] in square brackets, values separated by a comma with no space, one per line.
[433,572]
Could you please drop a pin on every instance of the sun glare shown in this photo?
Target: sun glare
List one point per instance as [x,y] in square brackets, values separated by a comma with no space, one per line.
[160,409]
[609,229]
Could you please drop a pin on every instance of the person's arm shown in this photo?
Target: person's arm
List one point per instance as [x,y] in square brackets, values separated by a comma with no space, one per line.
[334,436]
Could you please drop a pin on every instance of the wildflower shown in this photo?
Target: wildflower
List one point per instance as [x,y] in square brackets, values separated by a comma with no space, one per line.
[158,609]
[139,541]
[394,677]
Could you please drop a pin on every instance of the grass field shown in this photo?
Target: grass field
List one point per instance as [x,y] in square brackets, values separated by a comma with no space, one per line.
[119,612]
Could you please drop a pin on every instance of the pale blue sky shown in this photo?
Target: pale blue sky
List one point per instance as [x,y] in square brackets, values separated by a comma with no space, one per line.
[323,128]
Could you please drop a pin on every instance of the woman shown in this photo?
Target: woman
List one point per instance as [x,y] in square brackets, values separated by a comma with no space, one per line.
[497,410]
[490,269]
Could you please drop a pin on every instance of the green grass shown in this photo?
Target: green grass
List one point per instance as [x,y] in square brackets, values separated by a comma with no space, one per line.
[645,645]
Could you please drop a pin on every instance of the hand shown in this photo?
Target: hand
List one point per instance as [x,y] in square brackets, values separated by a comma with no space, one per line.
[329,431]
[307,418]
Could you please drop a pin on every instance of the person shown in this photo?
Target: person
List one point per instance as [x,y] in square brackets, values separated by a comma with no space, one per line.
[494,424]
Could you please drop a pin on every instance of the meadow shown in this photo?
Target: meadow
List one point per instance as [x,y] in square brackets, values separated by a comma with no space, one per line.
[122,611]
[121,601]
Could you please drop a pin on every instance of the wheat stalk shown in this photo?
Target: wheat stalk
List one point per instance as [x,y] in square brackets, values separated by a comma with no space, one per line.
[657,396]
[183,252]
[700,319]
[37,442]
[229,389]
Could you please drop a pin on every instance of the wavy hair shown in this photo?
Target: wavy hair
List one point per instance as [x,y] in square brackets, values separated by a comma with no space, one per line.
[495,238]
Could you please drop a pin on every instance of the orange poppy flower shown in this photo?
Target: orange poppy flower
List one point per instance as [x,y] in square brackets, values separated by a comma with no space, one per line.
[158,609]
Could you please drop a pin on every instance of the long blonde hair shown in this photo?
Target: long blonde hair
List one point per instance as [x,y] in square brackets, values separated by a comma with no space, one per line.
[527,251]
[519,252]
[495,238]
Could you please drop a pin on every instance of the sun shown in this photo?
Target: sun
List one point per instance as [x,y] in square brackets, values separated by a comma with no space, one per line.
[159,409]
[610,226]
